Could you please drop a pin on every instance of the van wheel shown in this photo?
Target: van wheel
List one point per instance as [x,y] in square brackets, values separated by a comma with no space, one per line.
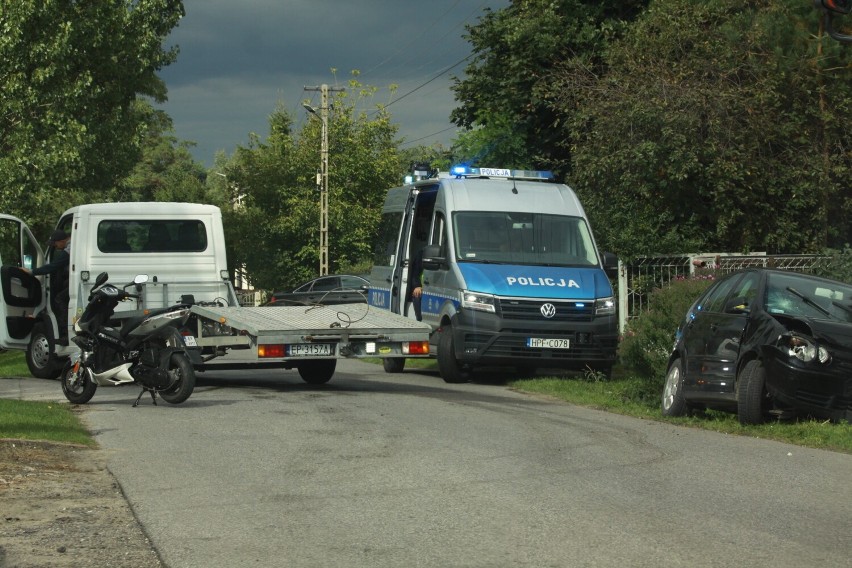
[40,359]
[317,371]
[448,365]
[393,364]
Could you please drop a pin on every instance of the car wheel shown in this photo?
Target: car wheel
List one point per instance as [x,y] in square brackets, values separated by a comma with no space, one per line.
[448,365]
[753,400]
[673,402]
[393,364]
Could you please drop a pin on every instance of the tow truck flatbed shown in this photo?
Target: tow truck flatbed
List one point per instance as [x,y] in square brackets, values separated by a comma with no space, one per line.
[282,336]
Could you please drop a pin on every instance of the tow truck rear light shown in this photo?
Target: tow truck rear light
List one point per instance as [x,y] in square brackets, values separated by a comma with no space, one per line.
[415,347]
[271,350]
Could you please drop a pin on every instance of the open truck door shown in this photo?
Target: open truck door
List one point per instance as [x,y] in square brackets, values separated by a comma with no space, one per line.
[20,292]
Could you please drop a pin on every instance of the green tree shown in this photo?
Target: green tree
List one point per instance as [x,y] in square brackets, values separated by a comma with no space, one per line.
[274,230]
[70,73]
[166,170]
[707,131]
[507,92]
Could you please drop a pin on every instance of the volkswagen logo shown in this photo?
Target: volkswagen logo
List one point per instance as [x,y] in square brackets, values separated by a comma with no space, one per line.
[548,310]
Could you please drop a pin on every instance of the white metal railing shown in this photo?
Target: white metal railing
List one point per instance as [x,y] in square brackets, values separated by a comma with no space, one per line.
[637,279]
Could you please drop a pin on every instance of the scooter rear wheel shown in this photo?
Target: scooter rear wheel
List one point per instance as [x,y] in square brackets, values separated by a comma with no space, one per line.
[77,385]
[184,374]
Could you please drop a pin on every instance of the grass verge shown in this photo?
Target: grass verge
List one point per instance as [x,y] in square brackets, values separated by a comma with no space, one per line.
[629,396]
[28,420]
[51,421]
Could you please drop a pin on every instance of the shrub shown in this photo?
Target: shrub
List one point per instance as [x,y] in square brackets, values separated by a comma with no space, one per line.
[649,338]
[840,265]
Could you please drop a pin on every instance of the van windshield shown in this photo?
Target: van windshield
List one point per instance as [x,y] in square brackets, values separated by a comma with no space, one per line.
[523,238]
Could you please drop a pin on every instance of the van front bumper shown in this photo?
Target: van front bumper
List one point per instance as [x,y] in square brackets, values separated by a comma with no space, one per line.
[486,339]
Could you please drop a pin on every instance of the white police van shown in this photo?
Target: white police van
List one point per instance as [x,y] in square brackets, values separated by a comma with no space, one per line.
[511,272]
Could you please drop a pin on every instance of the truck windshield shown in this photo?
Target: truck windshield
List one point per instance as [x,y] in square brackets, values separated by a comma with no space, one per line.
[523,238]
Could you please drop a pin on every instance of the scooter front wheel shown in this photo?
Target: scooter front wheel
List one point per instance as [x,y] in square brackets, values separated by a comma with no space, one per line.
[77,384]
[184,375]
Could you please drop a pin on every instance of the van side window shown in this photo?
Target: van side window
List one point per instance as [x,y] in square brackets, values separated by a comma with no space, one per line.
[384,246]
[142,236]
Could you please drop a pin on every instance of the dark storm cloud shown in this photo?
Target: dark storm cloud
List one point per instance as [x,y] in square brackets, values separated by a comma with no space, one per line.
[239,59]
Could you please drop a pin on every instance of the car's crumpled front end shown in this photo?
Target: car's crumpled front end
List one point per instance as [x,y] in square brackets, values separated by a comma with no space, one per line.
[809,367]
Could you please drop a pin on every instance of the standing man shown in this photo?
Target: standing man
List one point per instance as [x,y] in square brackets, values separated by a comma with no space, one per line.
[58,266]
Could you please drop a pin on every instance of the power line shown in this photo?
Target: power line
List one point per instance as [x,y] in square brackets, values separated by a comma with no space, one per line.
[407,142]
[417,88]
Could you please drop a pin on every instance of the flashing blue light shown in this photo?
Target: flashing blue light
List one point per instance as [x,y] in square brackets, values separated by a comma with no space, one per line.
[462,170]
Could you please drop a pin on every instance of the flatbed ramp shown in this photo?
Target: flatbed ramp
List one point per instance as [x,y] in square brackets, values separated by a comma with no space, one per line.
[285,334]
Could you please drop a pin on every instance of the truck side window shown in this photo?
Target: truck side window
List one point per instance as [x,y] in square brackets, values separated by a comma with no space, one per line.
[136,236]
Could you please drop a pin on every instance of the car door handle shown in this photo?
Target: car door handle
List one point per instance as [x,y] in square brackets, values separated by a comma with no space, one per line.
[714,327]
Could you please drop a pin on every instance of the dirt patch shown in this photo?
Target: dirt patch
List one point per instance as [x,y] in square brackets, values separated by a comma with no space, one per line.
[60,506]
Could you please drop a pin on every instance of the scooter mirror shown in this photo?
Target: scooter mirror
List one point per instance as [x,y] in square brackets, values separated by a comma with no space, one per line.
[102,277]
[140,279]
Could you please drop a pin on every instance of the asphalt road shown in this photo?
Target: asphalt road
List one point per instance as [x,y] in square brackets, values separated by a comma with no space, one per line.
[260,469]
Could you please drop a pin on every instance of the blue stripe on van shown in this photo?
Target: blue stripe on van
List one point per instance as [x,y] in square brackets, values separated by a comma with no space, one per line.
[536,281]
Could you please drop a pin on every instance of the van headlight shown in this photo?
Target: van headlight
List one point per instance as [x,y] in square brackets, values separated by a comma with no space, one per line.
[479,301]
[605,306]
[803,349]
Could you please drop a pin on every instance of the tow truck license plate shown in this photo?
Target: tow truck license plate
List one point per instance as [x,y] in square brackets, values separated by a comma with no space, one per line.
[544,343]
[310,349]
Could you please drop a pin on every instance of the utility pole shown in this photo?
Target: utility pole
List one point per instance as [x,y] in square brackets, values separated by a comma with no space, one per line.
[323,116]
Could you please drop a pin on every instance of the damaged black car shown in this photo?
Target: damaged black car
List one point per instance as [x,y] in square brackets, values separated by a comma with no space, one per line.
[765,343]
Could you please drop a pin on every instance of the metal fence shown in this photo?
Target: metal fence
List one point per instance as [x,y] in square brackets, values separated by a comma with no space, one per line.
[248,297]
[637,279]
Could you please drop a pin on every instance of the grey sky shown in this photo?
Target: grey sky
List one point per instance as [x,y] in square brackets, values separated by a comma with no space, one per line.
[239,59]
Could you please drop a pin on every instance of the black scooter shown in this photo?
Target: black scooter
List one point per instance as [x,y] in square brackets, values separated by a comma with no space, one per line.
[147,350]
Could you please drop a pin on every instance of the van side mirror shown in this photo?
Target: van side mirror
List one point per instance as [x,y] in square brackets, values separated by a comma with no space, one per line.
[432,259]
[610,264]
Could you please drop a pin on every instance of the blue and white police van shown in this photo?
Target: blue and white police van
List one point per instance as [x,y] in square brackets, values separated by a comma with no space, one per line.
[511,272]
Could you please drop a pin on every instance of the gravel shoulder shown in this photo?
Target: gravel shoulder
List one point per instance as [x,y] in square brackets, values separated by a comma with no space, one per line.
[60,506]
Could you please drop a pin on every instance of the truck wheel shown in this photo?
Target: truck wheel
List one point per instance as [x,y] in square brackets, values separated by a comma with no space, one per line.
[393,364]
[753,402]
[181,369]
[78,387]
[40,359]
[448,365]
[317,371]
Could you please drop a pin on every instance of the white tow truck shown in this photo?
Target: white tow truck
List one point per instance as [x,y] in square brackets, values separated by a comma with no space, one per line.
[181,247]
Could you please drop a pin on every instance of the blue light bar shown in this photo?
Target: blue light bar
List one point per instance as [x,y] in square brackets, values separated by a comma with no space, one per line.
[462,170]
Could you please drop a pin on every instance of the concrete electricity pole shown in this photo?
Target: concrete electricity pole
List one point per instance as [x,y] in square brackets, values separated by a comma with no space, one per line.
[323,181]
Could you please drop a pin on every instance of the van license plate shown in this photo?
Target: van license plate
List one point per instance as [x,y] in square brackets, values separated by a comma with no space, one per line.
[310,350]
[543,343]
